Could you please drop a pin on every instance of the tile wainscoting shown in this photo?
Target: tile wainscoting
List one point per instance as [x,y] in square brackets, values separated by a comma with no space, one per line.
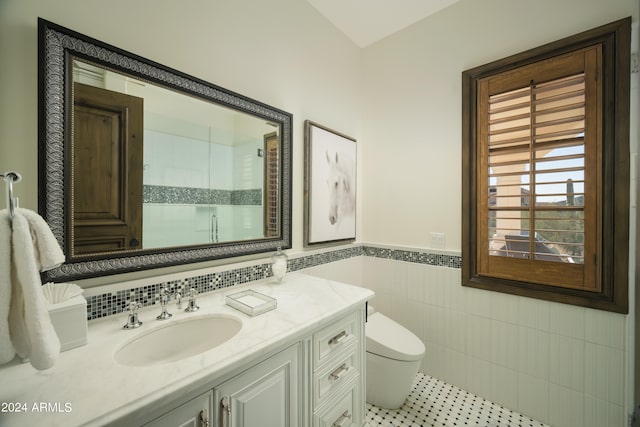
[111,303]
[560,364]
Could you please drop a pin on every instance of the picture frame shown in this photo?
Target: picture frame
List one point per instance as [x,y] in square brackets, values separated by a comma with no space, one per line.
[329,185]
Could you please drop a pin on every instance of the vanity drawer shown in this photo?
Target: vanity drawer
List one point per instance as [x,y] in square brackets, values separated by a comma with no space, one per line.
[335,374]
[334,338]
[343,413]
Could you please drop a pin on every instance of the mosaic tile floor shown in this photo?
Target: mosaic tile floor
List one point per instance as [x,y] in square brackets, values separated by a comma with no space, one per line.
[435,403]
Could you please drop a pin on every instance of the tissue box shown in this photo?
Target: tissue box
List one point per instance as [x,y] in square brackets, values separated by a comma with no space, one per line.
[69,319]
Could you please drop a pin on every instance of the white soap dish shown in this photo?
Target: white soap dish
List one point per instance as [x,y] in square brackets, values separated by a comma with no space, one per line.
[251,302]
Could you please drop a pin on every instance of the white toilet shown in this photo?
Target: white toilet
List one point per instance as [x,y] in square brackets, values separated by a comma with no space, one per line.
[393,358]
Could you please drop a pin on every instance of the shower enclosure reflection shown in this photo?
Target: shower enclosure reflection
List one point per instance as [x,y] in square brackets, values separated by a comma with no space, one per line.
[203,167]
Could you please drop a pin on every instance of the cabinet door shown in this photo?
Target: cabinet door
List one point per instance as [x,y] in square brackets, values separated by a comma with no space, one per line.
[266,395]
[194,413]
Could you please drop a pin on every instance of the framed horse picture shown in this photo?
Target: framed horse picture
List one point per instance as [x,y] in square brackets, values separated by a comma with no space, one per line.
[329,185]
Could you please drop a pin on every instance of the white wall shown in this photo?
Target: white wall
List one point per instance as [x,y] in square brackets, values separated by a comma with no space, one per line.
[411,175]
[280,52]
[411,155]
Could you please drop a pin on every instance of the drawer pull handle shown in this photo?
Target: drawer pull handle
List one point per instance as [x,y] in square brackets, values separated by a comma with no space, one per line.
[338,338]
[225,411]
[346,416]
[203,418]
[339,372]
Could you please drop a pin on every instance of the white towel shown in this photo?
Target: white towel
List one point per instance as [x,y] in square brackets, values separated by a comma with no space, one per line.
[7,352]
[45,246]
[33,248]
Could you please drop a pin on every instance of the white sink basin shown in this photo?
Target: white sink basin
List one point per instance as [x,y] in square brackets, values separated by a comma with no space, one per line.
[178,340]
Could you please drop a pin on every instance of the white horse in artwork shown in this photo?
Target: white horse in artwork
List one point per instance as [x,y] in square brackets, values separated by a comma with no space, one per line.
[341,183]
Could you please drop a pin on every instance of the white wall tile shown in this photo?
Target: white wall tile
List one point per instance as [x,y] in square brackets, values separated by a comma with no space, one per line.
[602,372]
[456,368]
[478,337]
[416,282]
[617,330]
[567,320]
[478,302]
[434,325]
[533,352]
[590,367]
[504,344]
[616,415]
[533,397]
[435,287]
[597,326]
[560,360]
[576,409]
[577,365]
[455,330]
[383,303]
[559,405]
[504,386]
[415,318]
[505,307]
[554,362]
[596,412]
[479,376]
[455,293]
[616,379]
[533,313]
[435,360]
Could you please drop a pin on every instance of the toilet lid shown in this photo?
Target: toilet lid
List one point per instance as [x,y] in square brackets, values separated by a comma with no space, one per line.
[387,338]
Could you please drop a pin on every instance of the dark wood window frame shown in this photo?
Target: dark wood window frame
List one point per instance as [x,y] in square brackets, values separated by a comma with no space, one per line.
[613,189]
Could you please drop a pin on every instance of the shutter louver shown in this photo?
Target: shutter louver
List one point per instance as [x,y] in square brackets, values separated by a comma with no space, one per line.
[537,155]
[536,177]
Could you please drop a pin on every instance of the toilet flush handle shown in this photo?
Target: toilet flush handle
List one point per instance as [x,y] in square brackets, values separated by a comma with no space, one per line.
[338,338]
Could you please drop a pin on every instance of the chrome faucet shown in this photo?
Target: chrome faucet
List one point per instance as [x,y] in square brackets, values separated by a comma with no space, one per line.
[132,318]
[191,305]
[164,297]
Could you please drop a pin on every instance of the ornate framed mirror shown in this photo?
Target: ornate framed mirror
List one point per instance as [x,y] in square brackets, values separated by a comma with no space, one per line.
[142,166]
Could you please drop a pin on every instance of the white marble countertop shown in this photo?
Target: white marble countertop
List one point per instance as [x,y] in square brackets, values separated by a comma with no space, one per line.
[88,387]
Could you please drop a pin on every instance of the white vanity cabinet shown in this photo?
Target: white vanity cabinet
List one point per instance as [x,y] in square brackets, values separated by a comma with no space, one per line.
[338,373]
[300,365]
[194,413]
[267,394]
[318,381]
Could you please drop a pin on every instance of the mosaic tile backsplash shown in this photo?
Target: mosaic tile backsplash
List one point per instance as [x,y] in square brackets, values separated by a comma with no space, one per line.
[111,303]
[200,196]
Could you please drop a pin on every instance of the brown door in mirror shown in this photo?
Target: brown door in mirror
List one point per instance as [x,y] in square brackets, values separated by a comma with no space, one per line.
[107,171]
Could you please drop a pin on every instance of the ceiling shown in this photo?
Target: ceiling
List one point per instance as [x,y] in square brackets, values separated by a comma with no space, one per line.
[367,21]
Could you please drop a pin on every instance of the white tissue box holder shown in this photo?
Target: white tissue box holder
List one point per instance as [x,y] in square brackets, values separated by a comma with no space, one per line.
[69,319]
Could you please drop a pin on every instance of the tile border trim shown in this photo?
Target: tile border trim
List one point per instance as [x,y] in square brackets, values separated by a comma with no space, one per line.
[111,303]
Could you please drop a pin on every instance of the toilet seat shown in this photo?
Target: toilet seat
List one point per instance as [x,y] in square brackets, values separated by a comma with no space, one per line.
[389,339]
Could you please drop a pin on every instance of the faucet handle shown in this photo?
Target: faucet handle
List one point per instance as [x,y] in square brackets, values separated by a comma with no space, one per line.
[133,306]
[132,318]
[192,306]
[178,297]
[164,298]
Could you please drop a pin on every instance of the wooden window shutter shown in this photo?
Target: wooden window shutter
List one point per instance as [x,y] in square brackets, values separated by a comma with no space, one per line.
[539,141]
